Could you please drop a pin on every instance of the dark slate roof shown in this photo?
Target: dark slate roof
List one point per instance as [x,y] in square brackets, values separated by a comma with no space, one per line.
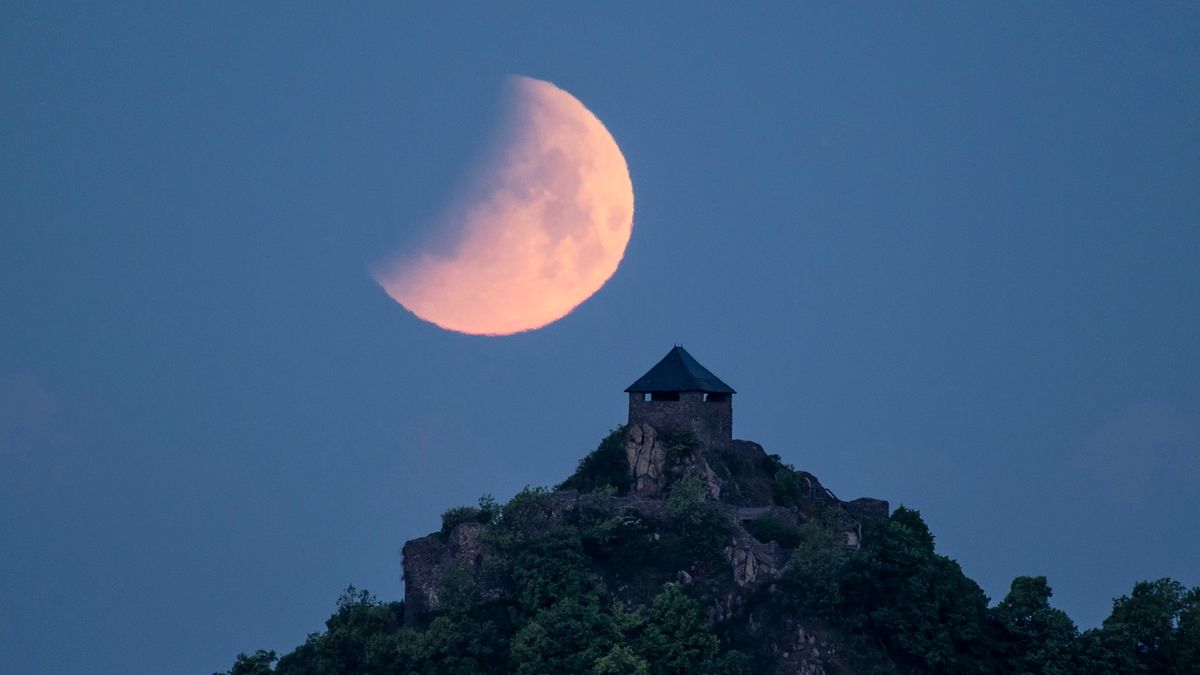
[678,371]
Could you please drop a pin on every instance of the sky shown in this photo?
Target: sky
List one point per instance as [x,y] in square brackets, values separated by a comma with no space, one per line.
[946,254]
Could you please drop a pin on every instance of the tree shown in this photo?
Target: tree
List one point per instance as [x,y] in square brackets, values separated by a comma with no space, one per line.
[570,636]
[460,639]
[1151,630]
[700,531]
[811,578]
[1186,645]
[621,660]
[676,638]
[455,645]
[360,637]
[1037,638]
[258,663]
[603,468]
[919,606]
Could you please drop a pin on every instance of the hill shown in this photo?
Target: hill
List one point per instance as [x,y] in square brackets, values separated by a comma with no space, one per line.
[664,555]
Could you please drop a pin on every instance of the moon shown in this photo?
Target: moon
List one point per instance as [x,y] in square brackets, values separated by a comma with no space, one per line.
[540,230]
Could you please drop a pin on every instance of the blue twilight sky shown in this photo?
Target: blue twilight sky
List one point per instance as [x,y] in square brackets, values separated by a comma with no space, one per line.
[947,254]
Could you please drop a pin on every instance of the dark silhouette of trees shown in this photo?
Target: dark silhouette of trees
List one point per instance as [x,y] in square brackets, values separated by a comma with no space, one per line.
[894,605]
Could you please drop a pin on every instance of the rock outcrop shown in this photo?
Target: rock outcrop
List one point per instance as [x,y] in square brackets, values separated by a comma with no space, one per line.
[751,560]
[647,457]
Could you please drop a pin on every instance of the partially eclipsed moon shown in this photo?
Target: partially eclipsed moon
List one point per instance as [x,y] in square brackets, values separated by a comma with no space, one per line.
[542,231]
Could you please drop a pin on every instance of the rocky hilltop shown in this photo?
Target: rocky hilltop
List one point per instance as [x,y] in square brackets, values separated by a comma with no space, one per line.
[656,490]
[671,553]
[676,550]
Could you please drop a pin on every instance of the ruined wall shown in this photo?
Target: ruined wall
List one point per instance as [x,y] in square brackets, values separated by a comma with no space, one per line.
[427,560]
[710,421]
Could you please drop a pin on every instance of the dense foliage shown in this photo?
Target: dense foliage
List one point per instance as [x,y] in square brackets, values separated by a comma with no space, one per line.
[562,617]
[604,468]
[610,589]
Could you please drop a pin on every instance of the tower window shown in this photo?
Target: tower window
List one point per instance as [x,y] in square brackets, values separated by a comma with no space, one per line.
[664,396]
[716,397]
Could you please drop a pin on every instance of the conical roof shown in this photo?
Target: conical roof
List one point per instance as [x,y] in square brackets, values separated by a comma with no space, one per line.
[678,371]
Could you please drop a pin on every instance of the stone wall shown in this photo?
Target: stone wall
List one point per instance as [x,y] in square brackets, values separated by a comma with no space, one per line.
[426,561]
[710,421]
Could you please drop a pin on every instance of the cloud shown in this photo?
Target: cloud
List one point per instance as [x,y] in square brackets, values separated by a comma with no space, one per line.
[1145,449]
[27,414]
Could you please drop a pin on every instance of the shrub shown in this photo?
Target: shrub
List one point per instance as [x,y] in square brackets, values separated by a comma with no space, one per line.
[486,512]
[452,518]
[604,469]
[685,504]
[700,529]
[786,489]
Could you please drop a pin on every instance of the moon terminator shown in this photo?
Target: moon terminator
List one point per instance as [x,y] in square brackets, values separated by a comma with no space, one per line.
[545,227]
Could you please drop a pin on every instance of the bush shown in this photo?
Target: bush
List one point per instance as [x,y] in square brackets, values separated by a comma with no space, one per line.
[528,512]
[452,518]
[700,529]
[810,579]
[485,513]
[604,469]
[786,489]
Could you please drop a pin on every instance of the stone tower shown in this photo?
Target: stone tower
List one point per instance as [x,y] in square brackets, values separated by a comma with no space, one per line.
[680,395]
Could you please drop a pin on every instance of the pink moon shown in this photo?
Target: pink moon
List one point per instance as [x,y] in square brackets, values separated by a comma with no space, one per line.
[541,230]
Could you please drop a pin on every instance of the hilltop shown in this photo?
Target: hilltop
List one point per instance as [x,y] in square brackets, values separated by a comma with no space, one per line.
[666,554]
[676,549]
